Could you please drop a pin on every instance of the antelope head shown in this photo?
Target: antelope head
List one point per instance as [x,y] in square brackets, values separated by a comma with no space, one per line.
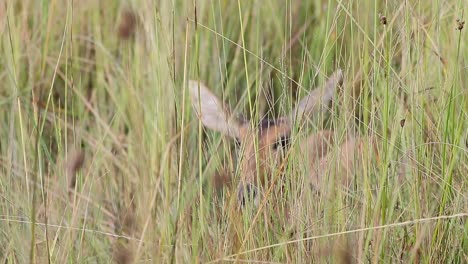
[262,146]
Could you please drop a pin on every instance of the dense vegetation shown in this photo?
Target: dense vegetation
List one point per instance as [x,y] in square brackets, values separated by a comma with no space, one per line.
[102,158]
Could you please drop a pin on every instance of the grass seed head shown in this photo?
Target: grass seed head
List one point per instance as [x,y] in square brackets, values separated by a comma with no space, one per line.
[73,165]
[127,24]
[460,24]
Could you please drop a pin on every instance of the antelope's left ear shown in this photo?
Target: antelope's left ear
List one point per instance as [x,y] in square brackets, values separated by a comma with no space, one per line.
[318,99]
[211,112]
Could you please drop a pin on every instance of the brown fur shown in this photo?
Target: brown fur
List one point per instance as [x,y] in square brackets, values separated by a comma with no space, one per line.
[263,147]
[266,155]
[345,164]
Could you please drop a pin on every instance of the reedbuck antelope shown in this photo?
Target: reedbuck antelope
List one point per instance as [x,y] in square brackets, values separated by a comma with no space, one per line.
[261,156]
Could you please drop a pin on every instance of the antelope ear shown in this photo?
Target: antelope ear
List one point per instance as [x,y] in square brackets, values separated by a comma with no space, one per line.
[211,112]
[318,99]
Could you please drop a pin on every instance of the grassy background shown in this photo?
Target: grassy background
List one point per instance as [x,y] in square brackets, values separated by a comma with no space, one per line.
[102,159]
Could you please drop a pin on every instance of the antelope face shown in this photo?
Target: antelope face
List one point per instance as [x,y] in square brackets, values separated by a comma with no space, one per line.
[262,151]
[262,146]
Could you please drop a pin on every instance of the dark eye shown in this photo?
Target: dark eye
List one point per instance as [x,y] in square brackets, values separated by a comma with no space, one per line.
[282,142]
[237,142]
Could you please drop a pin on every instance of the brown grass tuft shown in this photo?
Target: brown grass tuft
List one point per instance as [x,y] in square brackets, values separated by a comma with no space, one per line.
[73,165]
[122,253]
[383,19]
[127,25]
[460,24]
[340,250]
[127,222]
[221,179]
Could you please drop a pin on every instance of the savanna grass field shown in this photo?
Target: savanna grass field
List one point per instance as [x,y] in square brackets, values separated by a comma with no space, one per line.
[103,158]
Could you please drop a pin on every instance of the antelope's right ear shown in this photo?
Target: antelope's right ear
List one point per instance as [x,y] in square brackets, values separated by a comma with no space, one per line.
[318,99]
[211,112]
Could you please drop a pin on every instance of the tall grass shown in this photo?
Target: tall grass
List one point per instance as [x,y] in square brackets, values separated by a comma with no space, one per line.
[102,158]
